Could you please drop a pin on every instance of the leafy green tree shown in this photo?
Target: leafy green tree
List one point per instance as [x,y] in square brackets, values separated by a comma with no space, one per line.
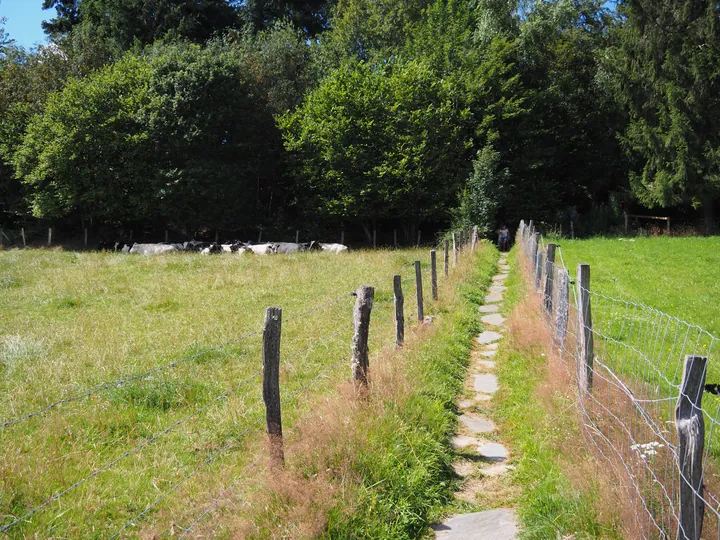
[309,16]
[664,67]
[379,142]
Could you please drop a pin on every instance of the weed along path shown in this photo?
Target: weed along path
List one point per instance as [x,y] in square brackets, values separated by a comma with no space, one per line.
[479,454]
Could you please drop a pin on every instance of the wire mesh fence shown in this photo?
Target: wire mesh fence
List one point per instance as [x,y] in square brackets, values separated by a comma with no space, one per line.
[193,447]
[643,394]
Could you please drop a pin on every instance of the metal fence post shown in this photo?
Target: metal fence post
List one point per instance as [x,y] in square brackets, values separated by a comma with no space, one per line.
[585,362]
[690,426]
[419,290]
[433,274]
[549,277]
[361,319]
[399,311]
[271,382]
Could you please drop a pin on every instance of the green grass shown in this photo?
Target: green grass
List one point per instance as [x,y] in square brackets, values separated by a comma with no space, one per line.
[73,321]
[551,505]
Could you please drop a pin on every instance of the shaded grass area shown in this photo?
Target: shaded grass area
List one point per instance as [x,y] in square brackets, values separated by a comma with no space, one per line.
[73,321]
[562,490]
[384,462]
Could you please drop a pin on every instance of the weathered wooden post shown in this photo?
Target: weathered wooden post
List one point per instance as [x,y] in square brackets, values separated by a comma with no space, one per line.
[260,236]
[474,238]
[342,236]
[374,237]
[271,382]
[167,236]
[533,247]
[562,309]
[668,226]
[549,277]
[538,270]
[49,236]
[86,237]
[455,250]
[572,230]
[297,237]
[433,274]
[395,238]
[419,291]
[690,426]
[626,222]
[585,328]
[531,227]
[419,237]
[446,245]
[22,232]
[520,235]
[361,320]
[399,311]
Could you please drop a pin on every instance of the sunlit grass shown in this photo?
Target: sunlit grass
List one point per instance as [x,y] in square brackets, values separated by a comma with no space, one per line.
[74,321]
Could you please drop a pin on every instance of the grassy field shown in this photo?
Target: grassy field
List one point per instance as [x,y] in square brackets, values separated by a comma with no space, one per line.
[74,321]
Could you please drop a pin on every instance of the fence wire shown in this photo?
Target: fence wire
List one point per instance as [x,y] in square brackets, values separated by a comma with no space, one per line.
[629,396]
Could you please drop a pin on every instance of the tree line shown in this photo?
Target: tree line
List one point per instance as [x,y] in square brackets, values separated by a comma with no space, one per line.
[315,114]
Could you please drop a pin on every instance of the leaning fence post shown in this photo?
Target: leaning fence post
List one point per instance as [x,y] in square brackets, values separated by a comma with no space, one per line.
[399,311]
[538,269]
[297,237]
[49,236]
[433,274]
[549,277]
[22,232]
[361,320]
[562,308]
[418,289]
[585,363]
[454,239]
[271,382]
[690,426]
[446,261]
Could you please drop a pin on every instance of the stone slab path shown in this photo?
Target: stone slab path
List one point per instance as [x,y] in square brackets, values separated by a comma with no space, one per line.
[489,457]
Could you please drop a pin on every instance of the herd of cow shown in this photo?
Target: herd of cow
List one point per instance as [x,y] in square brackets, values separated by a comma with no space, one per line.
[207,248]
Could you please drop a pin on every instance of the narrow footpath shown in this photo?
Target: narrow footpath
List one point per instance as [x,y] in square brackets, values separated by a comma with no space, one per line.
[477,451]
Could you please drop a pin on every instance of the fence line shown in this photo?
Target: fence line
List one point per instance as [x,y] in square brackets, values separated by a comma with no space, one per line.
[640,378]
[420,275]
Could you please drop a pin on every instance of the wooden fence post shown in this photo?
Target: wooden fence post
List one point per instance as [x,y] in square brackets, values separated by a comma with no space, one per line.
[668,226]
[549,277]
[361,320]
[167,236]
[532,255]
[342,237]
[520,235]
[49,236]
[419,237]
[446,245]
[419,291]
[626,222]
[260,236]
[22,232]
[297,237]
[399,311]
[538,269]
[455,250]
[374,237]
[690,426]
[433,274]
[572,230]
[474,238]
[271,382]
[585,362]
[562,309]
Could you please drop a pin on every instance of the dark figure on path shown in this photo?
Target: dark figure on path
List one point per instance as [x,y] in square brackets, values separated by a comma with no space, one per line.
[503,238]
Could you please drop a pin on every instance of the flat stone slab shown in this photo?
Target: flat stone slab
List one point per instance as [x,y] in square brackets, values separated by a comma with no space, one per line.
[488,337]
[463,468]
[477,424]
[504,268]
[497,288]
[487,363]
[463,441]
[486,382]
[494,319]
[483,397]
[493,297]
[491,308]
[496,469]
[493,451]
[489,354]
[498,524]
[492,346]
[466,404]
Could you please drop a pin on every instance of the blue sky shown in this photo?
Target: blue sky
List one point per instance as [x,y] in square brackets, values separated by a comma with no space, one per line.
[23,20]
